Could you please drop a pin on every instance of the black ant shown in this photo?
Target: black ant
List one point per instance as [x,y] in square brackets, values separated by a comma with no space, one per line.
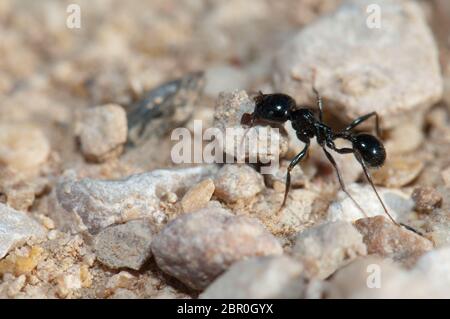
[276,109]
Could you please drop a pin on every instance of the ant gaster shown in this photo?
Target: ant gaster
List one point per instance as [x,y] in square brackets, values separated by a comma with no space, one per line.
[276,109]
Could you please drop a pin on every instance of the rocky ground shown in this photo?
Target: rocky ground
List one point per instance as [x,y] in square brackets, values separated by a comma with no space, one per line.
[92,206]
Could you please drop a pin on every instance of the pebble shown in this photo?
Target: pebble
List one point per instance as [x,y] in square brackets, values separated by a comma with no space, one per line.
[344,51]
[426,199]
[386,239]
[198,196]
[20,196]
[16,228]
[405,137]
[23,147]
[127,245]
[267,277]
[446,176]
[228,113]
[398,172]
[102,132]
[326,247]
[343,208]
[197,247]
[121,280]
[22,260]
[236,182]
[100,203]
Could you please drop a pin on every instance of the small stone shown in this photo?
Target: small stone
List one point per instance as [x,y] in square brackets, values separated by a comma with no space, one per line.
[426,199]
[398,203]
[197,247]
[227,117]
[386,239]
[198,196]
[22,261]
[127,245]
[121,280]
[23,148]
[446,176]
[100,203]
[16,228]
[69,281]
[324,248]
[46,222]
[20,196]
[406,136]
[102,132]
[236,182]
[268,277]
[344,51]
[398,172]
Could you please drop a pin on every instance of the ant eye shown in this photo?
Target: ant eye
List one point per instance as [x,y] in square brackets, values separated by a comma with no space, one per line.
[370,148]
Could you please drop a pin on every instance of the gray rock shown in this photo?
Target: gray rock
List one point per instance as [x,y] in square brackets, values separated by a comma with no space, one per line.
[259,278]
[393,70]
[100,203]
[198,196]
[197,247]
[326,247]
[16,228]
[127,245]
[228,113]
[234,182]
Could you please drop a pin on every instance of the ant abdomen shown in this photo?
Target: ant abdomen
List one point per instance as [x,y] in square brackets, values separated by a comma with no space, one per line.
[370,149]
[273,107]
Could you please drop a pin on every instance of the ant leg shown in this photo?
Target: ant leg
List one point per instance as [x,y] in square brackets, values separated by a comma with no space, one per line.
[366,173]
[363,118]
[292,164]
[341,182]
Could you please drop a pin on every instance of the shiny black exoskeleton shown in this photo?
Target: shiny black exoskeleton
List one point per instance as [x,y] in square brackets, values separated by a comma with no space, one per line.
[276,109]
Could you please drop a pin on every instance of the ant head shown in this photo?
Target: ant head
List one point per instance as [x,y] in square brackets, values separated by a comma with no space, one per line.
[370,149]
[273,107]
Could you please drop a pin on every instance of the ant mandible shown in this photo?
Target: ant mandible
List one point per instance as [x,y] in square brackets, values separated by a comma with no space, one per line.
[275,109]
